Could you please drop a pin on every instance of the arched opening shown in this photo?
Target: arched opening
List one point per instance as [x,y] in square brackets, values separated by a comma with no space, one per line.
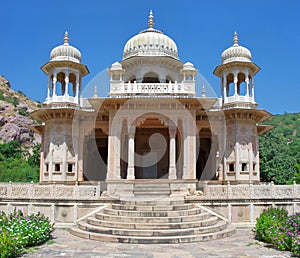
[204,165]
[150,77]
[61,79]
[169,79]
[72,80]
[124,150]
[241,84]
[95,156]
[230,85]
[152,149]
[132,79]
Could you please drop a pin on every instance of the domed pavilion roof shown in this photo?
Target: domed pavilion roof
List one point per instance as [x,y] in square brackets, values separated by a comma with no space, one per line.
[150,42]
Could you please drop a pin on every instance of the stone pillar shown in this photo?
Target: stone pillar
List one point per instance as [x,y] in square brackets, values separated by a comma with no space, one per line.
[42,160]
[48,90]
[77,88]
[252,86]
[237,162]
[81,147]
[172,153]
[67,85]
[64,161]
[113,161]
[54,84]
[189,159]
[225,87]
[50,159]
[247,83]
[235,80]
[185,149]
[131,152]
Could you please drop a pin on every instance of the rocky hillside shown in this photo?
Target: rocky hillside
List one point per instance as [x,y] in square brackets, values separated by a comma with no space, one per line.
[14,110]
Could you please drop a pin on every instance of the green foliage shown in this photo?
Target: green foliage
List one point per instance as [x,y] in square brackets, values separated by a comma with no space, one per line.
[18,232]
[274,226]
[9,99]
[34,158]
[10,150]
[267,220]
[280,150]
[18,165]
[23,112]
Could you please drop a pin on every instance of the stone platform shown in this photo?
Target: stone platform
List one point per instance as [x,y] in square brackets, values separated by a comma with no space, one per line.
[240,245]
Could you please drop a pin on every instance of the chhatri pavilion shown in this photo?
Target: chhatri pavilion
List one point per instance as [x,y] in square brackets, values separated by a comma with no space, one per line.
[152,125]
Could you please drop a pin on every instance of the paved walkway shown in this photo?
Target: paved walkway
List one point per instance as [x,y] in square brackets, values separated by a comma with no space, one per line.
[241,245]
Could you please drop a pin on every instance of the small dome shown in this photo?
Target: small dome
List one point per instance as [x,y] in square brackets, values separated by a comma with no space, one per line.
[236,53]
[116,66]
[150,42]
[65,52]
[188,66]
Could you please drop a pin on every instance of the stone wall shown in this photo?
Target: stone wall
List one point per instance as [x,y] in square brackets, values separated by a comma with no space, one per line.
[65,204]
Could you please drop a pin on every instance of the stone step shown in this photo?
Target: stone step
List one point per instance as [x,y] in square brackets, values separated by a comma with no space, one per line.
[228,231]
[168,225]
[158,207]
[134,213]
[166,201]
[131,219]
[154,185]
[220,225]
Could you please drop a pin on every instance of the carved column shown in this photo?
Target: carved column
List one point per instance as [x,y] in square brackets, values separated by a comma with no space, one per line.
[113,160]
[235,80]
[172,153]
[185,149]
[67,85]
[48,90]
[54,84]
[130,169]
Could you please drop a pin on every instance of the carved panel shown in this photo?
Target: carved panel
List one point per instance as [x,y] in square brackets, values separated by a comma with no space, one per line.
[42,192]
[64,192]
[283,191]
[87,193]
[216,192]
[3,191]
[240,192]
[20,191]
[261,191]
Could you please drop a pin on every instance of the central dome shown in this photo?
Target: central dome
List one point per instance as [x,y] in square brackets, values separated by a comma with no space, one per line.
[150,42]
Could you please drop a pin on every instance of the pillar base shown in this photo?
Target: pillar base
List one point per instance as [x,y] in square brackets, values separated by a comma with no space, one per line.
[172,173]
[130,174]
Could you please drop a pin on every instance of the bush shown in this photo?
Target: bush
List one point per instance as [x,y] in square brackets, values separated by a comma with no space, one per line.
[268,221]
[274,226]
[18,231]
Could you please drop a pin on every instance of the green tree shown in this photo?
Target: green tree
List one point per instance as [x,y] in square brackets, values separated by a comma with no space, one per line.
[280,149]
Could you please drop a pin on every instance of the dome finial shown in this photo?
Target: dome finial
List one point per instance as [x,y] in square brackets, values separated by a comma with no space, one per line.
[235,39]
[66,38]
[151,20]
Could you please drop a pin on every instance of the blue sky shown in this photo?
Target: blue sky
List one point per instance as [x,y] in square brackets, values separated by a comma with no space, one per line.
[201,30]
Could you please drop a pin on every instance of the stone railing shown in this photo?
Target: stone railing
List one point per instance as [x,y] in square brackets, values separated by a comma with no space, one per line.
[250,191]
[59,99]
[121,88]
[238,98]
[33,191]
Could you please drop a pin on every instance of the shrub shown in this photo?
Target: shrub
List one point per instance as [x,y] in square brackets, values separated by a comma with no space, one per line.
[274,226]
[18,231]
[267,223]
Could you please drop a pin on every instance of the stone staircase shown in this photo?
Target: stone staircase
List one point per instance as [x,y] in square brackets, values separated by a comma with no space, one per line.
[151,222]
